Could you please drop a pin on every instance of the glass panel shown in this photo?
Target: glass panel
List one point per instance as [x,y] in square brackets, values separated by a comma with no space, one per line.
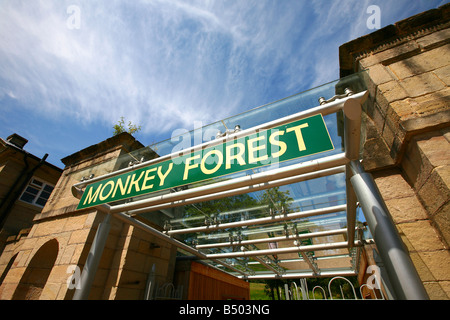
[298,197]
[246,120]
[41,201]
[27,197]
[36,183]
[31,190]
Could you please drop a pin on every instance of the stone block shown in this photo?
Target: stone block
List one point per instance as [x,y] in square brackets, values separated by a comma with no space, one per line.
[376,75]
[67,255]
[442,220]
[421,236]
[7,290]
[435,192]
[423,154]
[59,274]
[79,236]
[376,154]
[379,74]
[427,121]
[435,291]
[135,261]
[14,275]
[422,84]
[50,291]
[406,209]
[421,63]
[392,185]
[49,227]
[446,287]
[443,74]
[438,263]
[421,267]
[23,258]
[75,222]
[389,92]
[78,254]
[436,149]
[432,103]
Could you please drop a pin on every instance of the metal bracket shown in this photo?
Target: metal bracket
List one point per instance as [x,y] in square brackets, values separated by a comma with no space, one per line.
[220,134]
[87,178]
[136,161]
[347,92]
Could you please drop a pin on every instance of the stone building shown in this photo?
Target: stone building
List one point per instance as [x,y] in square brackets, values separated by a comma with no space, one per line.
[26,182]
[408,133]
[405,147]
[61,237]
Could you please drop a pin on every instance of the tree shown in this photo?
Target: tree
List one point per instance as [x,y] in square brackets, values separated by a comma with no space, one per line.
[120,127]
[276,199]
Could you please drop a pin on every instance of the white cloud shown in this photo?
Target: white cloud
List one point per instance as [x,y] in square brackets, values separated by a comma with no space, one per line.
[166,64]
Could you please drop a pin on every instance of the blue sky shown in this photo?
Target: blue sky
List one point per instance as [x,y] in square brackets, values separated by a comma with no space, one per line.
[70,69]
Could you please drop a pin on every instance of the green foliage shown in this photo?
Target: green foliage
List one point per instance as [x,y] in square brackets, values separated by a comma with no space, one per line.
[120,127]
[276,199]
[214,207]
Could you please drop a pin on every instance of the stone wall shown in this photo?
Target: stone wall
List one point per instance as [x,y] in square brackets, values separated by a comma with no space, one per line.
[128,255]
[407,145]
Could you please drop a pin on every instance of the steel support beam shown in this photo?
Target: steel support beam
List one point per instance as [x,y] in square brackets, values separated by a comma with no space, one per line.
[267,265]
[313,266]
[314,247]
[271,219]
[274,239]
[93,259]
[402,274]
[297,275]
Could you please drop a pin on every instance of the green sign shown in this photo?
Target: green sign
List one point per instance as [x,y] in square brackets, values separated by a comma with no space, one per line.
[289,141]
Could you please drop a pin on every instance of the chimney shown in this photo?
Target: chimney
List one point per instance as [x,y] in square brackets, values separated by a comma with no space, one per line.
[17,140]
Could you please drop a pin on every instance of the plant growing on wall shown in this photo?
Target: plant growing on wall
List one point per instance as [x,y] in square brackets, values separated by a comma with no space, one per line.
[120,127]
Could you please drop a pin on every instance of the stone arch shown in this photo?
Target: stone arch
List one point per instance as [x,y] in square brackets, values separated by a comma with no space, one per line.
[36,274]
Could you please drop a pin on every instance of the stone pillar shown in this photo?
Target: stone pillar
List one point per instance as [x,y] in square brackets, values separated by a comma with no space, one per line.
[407,142]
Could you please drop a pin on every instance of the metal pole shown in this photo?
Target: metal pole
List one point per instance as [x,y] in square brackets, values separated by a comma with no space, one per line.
[352,137]
[402,274]
[93,259]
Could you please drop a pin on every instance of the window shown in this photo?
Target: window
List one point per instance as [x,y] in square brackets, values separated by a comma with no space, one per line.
[37,193]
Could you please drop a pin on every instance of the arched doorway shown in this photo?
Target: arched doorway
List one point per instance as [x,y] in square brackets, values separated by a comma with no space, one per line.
[35,276]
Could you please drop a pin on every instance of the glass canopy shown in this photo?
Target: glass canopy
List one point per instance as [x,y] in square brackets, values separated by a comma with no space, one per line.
[291,227]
